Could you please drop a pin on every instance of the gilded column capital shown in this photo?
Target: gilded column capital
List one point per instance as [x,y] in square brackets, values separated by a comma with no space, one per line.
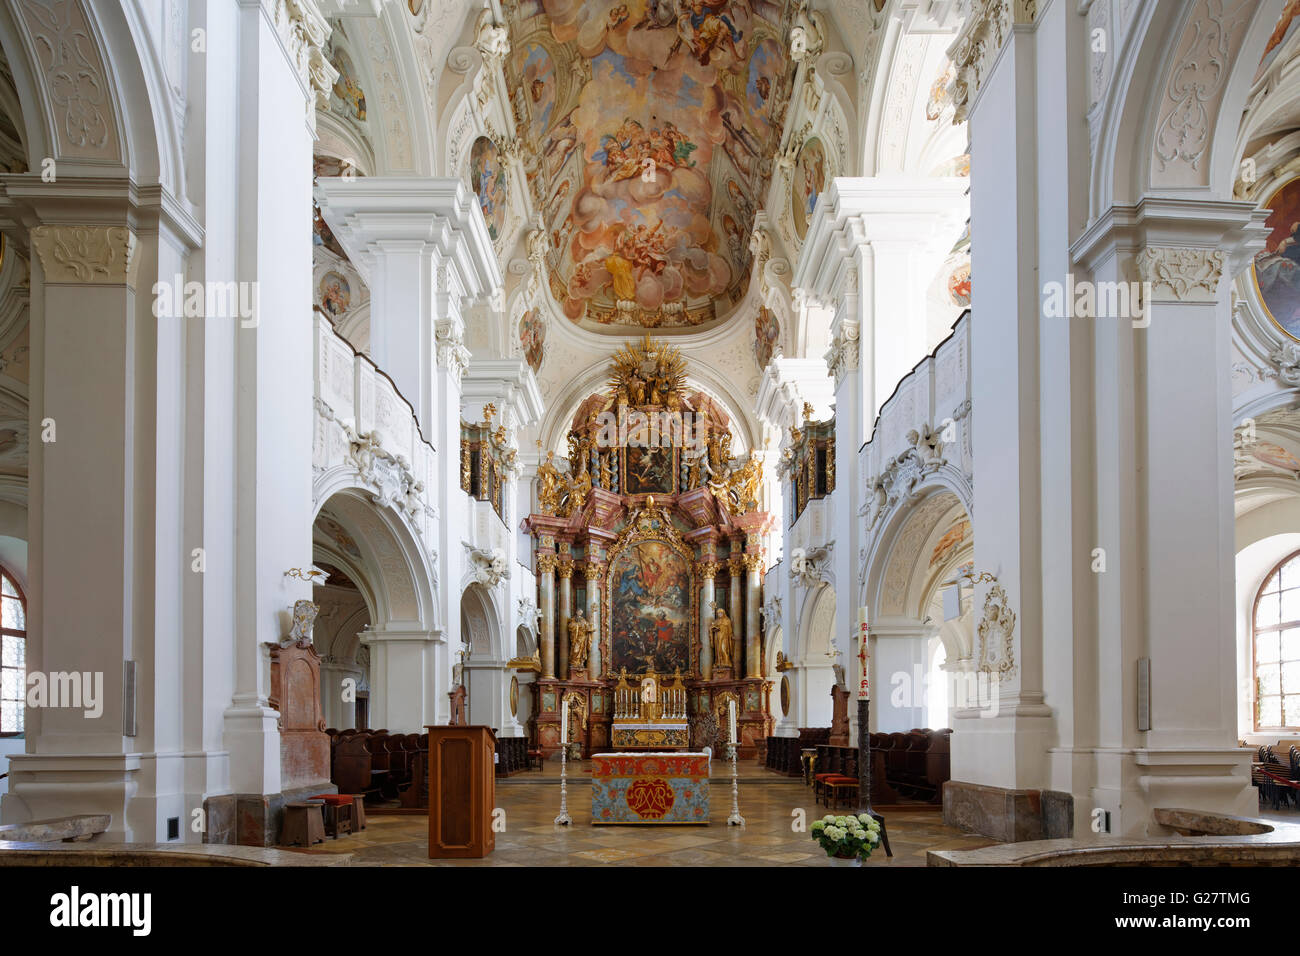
[753,562]
[546,563]
[565,568]
[706,569]
[734,564]
[594,572]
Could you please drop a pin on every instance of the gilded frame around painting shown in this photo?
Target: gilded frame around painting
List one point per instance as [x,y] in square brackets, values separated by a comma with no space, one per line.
[650,525]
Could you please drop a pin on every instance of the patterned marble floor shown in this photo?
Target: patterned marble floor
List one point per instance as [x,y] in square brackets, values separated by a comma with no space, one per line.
[531,838]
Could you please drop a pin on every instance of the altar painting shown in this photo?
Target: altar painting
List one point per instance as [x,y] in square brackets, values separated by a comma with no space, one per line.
[649,471]
[650,609]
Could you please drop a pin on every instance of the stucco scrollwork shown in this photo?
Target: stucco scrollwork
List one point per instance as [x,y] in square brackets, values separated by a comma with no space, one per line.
[1195,87]
[1286,359]
[86,254]
[452,353]
[491,40]
[808,567]
[898,481]
[996,629]
[842,356]
[978,45]
[487,567]
[1182,274]
[73,73]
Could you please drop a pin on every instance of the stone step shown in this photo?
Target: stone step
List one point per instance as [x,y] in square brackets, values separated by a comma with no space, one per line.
[80,827]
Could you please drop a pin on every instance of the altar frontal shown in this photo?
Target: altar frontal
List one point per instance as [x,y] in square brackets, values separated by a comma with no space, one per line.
[650,788]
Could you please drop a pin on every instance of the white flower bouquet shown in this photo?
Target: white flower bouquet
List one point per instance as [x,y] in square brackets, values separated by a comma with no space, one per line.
[847,837]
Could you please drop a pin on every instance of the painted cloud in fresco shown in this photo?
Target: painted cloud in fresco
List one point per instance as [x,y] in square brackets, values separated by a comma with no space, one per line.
[640,232]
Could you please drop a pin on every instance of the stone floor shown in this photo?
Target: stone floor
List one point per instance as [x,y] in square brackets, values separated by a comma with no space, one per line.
[767,801]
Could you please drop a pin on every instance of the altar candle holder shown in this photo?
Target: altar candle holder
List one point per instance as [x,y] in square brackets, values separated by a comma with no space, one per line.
[735,820]
[564,819]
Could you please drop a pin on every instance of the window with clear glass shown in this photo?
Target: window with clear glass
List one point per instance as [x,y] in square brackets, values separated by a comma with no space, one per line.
[1277,648]
[13,654]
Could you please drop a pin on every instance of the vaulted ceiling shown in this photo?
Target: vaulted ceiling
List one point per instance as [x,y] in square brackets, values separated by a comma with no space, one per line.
[655,124]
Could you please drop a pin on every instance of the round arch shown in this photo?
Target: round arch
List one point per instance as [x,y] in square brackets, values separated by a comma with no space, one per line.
[379,544]
[891,582]
[480,628]
[816,628]
[1168,39]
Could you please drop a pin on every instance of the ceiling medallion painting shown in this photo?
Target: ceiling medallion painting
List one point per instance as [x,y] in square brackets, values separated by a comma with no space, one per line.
[655,123]
[1277,267]
[487,173]
[809,181]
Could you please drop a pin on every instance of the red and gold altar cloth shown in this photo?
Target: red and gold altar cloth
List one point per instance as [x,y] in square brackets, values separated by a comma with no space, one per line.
[650,788]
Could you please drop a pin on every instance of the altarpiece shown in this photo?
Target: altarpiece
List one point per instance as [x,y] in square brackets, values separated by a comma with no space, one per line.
[649,558]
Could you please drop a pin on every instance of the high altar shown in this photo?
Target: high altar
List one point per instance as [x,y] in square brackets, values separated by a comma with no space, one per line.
[655,538]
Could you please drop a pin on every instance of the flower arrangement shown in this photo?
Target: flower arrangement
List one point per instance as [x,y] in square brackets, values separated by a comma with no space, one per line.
[847,838]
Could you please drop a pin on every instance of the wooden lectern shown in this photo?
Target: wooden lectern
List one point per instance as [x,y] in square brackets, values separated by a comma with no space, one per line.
[462,791]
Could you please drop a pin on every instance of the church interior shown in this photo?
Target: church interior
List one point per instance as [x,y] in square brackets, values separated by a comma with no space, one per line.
[636,433]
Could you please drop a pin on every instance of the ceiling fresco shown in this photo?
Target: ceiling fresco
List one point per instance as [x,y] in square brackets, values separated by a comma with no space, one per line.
[654,124]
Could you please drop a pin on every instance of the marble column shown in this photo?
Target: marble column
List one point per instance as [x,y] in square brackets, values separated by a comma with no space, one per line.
[595,578]
[546,589]
[753,596]
[735,598]
[565,571]
[706,570]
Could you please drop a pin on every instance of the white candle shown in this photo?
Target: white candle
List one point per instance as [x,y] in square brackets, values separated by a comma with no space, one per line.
[731,713]
[564,723]
[864,656]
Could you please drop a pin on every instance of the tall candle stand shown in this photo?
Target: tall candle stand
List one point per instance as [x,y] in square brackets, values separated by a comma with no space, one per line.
[864,773]
[735,820]
[564,819]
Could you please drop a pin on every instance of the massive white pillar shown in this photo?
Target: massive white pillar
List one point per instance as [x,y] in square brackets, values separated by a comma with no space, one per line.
[1103,512]
[423,248]
[193,426]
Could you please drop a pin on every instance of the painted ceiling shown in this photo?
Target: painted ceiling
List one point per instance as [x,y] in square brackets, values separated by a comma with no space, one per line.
[654,124]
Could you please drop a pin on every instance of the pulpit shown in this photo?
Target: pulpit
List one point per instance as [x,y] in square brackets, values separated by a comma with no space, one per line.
[462,791]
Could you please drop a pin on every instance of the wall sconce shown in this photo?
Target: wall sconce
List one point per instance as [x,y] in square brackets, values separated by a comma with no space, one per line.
[310,575]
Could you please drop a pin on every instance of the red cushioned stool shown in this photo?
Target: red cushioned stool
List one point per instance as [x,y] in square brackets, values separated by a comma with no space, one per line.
[840,784]
[338,813]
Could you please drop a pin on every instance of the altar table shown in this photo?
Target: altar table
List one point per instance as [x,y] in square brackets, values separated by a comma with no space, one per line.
[650,788]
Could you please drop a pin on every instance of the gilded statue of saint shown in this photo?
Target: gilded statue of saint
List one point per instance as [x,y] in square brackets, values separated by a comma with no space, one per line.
[551,485]
[720,636]
[580,631]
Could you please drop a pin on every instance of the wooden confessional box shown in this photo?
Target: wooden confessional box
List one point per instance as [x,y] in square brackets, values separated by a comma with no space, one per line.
[462,791]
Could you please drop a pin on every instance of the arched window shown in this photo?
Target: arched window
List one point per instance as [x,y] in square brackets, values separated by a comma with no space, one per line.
[1276,642]
[13,655]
